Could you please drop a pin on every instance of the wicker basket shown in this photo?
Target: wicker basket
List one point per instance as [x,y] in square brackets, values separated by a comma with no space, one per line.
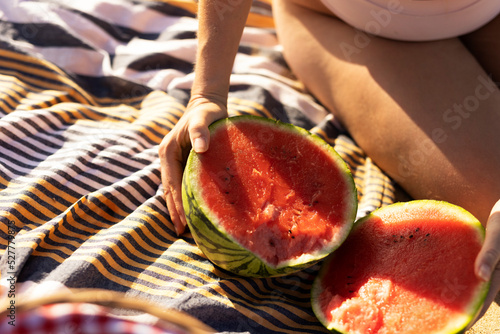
[68,312]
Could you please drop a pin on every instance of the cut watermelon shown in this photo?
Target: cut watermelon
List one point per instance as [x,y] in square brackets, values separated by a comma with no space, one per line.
[406,268]
[267,198]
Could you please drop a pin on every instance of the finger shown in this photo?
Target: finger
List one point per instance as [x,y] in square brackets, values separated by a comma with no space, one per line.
[492,293]
[199,136]
[176,213]
[171,177]
[199,133]
[489,256]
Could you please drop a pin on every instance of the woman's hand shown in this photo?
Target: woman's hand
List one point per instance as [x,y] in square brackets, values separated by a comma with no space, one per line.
[190,131]
[487,264]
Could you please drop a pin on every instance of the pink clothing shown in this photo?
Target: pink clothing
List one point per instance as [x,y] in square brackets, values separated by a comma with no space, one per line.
[415,20]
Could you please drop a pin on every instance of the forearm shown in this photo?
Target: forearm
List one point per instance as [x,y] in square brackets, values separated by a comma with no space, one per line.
[221,24]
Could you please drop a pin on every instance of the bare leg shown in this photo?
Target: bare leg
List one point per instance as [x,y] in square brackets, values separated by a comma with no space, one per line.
[427,113]
[484,44]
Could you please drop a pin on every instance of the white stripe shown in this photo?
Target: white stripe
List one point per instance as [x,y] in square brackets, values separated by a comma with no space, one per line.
[284,93]
[126,14]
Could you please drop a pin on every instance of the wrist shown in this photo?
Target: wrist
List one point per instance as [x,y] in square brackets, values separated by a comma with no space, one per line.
[219,99]
[213,84]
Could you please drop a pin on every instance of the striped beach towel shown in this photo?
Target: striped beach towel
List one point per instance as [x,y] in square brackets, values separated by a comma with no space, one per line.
[88,89]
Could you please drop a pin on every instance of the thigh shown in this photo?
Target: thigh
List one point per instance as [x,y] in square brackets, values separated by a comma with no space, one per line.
[484,44]
[427,113]
[314,5]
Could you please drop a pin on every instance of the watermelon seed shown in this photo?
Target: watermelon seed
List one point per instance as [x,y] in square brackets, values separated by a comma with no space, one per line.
[427,234]
[411,236]
[418,229]
[351,291]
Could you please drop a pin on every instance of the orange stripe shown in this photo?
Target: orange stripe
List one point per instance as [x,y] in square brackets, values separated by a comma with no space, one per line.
[247,105]
[70,87]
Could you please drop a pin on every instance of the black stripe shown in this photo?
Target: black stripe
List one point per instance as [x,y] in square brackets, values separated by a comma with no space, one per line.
[27,73]
[278,109]
[112,87]
[43,204]
[268,296]
[41,34]
[37,89]
[6,153]
[30,74]
[30,208]
[271,54]
[154,61]
[250,305]
[191,269]
[10,107]
[56,140]
[170,35]
[120,33]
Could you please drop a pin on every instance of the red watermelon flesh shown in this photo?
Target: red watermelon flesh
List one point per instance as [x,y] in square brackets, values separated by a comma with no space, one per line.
[407,269]
[277,193]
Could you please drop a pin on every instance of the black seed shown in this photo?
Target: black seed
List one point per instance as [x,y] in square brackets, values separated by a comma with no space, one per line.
[427,234]
[293,237]
[395,241]
[418,229]
[351,291]
[402,237]
[227,192]
[411,236]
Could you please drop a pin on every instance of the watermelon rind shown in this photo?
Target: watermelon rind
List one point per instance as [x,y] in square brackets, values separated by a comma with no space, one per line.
[226,252]
[461,324]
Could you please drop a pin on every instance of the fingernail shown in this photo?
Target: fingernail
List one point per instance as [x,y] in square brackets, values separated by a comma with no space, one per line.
[485,272]
[199,145]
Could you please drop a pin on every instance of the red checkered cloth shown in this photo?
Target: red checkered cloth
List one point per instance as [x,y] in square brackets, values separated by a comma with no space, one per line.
[78,318]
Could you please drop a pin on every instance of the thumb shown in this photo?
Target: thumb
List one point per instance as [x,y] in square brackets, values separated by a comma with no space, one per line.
[200,137]
[489,256]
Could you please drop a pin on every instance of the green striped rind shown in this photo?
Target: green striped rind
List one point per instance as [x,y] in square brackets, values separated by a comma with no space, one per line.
[443,208]
[316,291]
[220,248]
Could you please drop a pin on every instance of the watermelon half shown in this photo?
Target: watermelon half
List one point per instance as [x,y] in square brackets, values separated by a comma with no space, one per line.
[406,268]
[267,198]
